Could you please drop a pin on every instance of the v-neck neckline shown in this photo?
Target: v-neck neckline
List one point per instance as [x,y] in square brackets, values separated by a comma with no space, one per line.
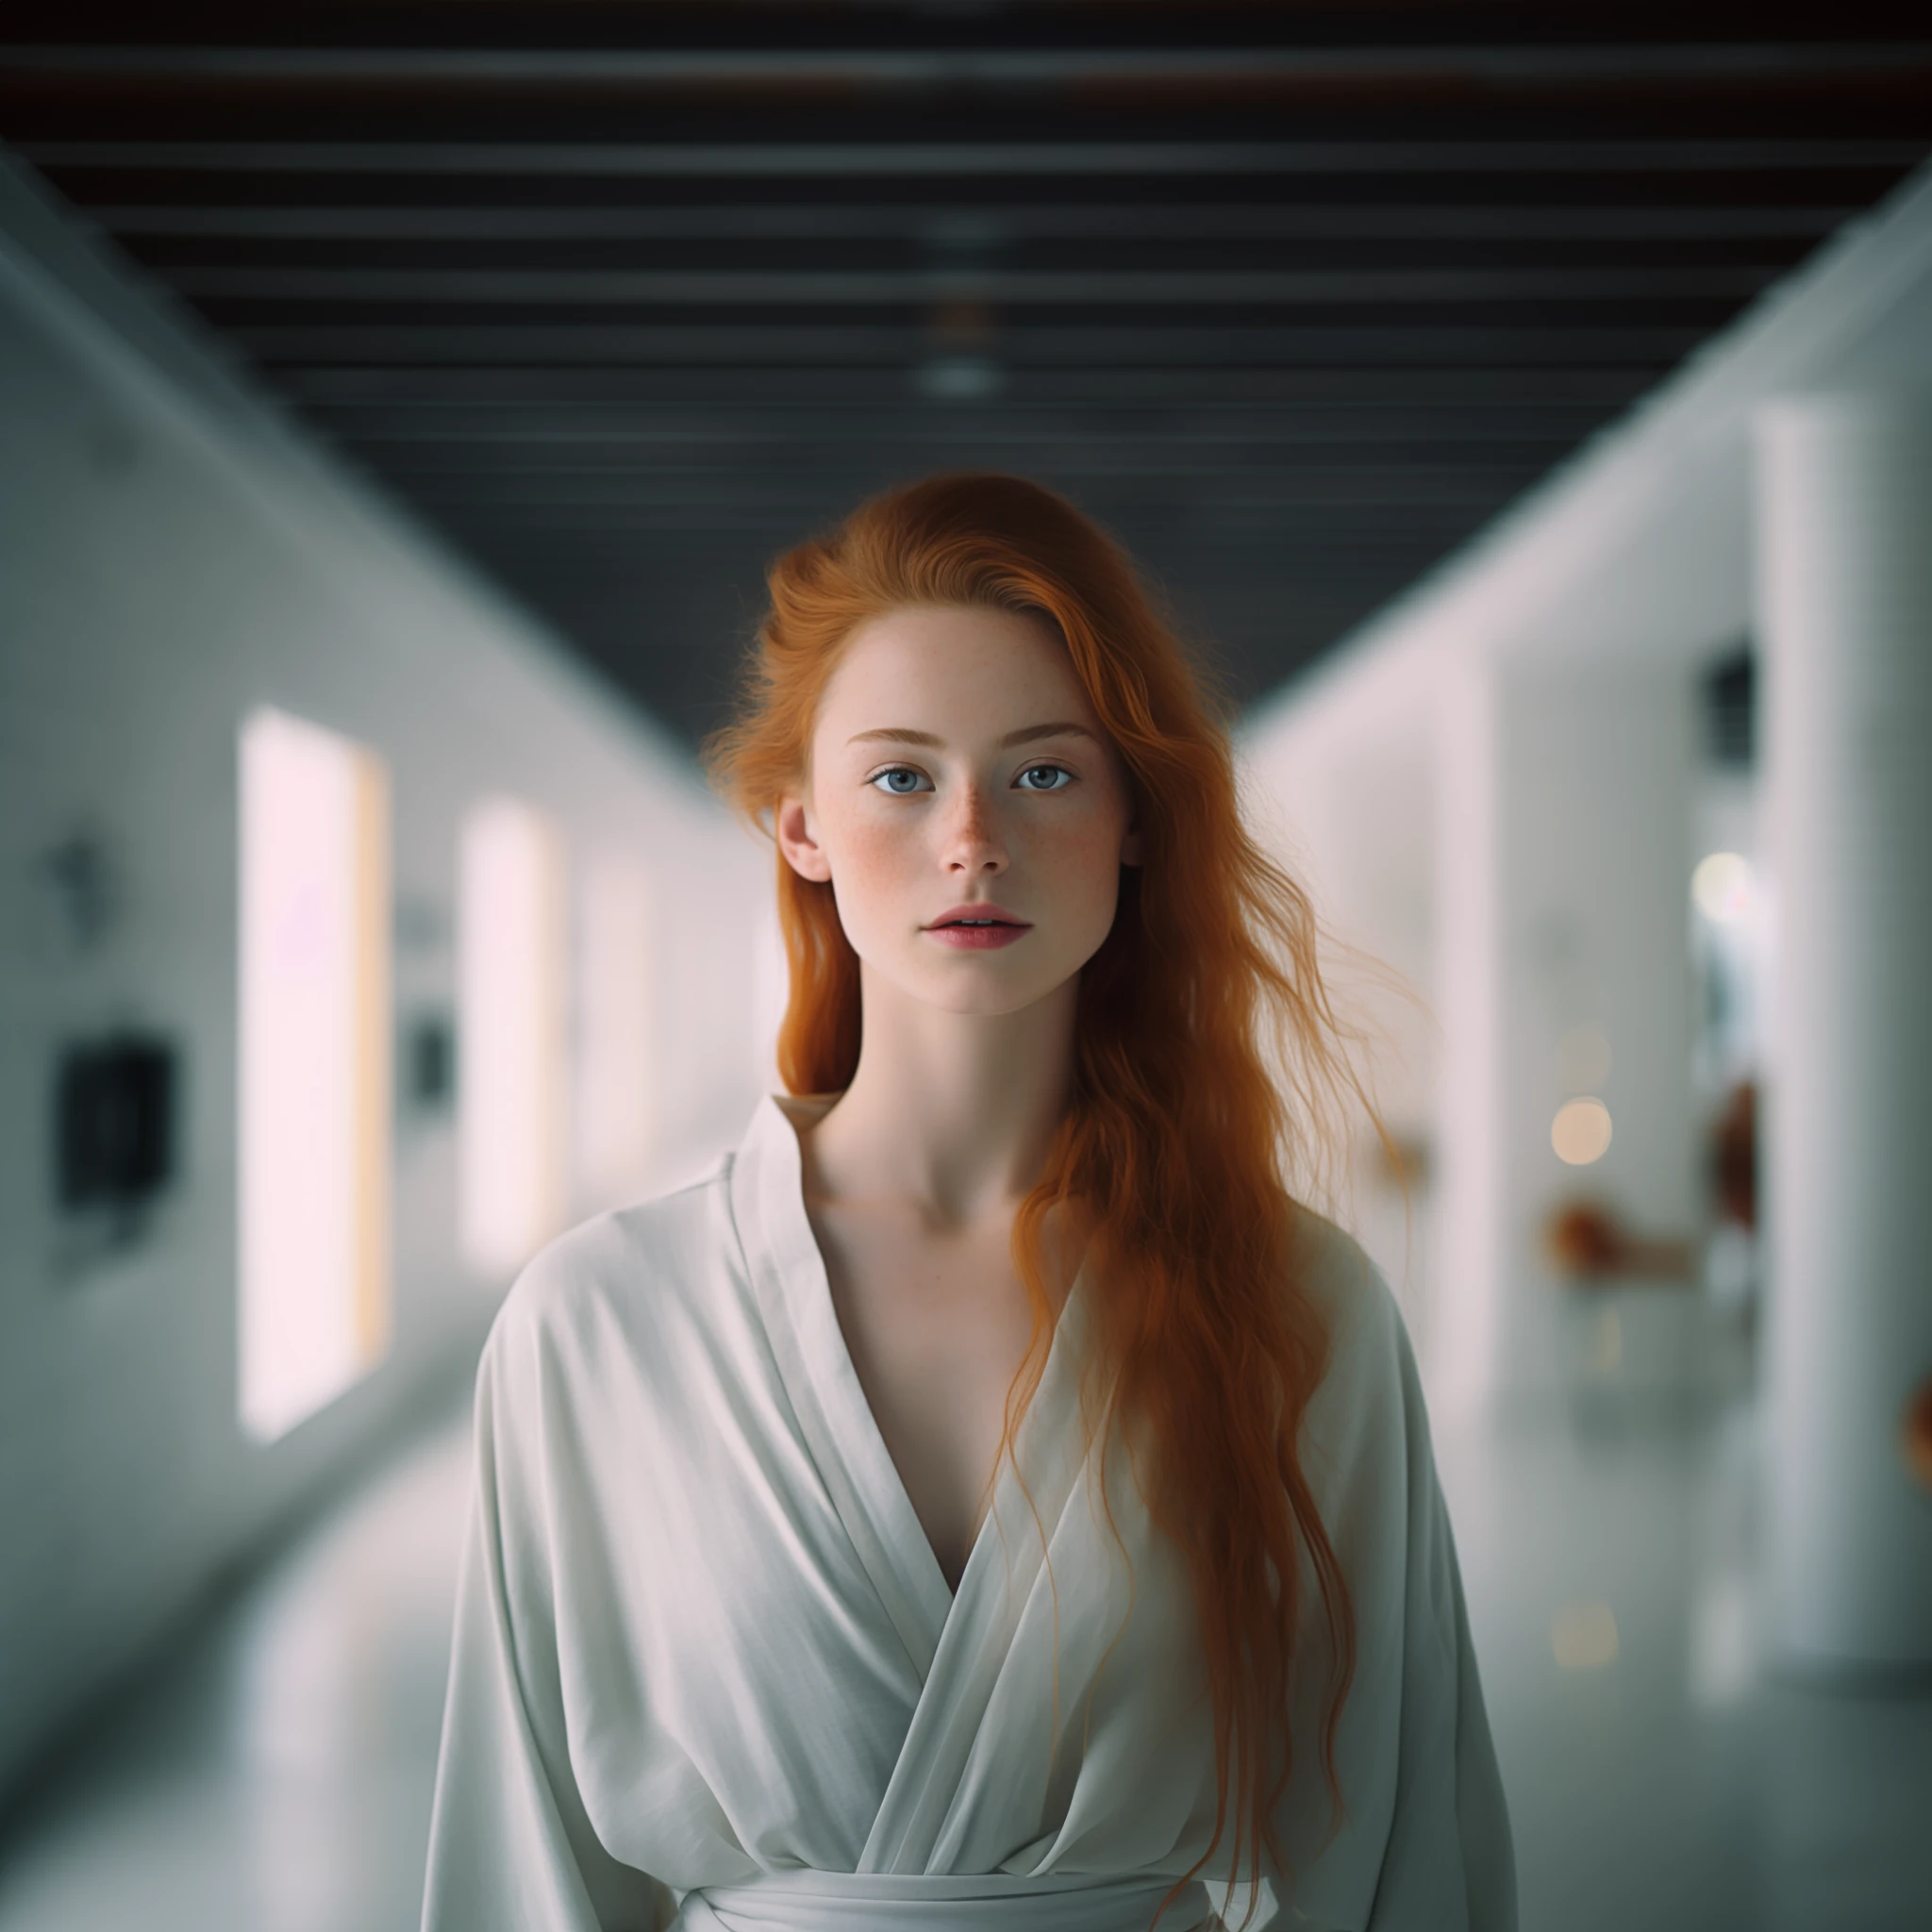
[831,1402]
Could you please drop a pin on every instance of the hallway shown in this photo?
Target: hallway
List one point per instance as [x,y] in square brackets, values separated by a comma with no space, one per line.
[1523,424]
[275,1774]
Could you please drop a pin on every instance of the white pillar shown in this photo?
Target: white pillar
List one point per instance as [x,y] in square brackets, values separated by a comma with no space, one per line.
[1845,616]
[1562,972]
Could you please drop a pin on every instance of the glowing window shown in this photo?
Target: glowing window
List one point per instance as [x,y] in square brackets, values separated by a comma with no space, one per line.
[510,1076]
[314,1089]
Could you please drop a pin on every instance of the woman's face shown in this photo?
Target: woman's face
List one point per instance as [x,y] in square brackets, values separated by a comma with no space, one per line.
[966,807]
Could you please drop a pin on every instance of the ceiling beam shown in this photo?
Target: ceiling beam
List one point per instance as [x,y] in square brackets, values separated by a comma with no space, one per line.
[1241,67]
[853,345]
[1147,482]
[962,228]
[815,391]
[728,431]
[755,500]
[1161,160]
[1009,287]
[1480,468]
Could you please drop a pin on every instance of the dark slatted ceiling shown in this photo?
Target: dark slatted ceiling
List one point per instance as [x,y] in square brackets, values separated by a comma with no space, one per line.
[622,298]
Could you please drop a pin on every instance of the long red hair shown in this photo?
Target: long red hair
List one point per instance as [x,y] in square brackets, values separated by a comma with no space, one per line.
[1209,1071]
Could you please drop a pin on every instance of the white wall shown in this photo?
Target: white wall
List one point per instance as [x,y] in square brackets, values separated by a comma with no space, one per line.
[171,554]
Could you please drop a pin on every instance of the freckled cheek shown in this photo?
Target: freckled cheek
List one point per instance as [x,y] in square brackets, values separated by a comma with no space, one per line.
[874,859]
[1078,863]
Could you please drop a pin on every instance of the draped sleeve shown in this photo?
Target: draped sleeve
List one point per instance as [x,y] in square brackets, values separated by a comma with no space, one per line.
[1422,1843]
[1449,1841]
[512,1844]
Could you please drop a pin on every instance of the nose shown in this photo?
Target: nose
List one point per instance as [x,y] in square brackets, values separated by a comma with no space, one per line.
[971,847]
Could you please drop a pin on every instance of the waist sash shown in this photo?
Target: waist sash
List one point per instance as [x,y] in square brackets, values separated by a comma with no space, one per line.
[942,1901]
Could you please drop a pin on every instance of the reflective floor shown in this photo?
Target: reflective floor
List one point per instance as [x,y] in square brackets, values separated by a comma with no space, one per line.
[1659,1776]
[276,1774]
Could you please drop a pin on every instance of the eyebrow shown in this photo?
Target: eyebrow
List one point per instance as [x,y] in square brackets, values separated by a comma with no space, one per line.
[1027,735]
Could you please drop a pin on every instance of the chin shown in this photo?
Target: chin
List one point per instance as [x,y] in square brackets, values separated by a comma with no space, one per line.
[981,988]
[980,1002]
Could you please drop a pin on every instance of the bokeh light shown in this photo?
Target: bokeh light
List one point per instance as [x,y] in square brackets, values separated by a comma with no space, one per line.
[1724,887]
[1583,1637]
[1581,1131]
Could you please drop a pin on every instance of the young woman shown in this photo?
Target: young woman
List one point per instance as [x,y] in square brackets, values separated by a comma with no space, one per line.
[988,1502]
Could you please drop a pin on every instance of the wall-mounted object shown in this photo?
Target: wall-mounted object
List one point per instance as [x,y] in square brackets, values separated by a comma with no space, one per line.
[1730,709]
[114,1124]
[429,1062]
[84,893]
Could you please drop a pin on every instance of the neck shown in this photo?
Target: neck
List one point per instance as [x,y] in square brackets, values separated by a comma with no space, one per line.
[953,1112]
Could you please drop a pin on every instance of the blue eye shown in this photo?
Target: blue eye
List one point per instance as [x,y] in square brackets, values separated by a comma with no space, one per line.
[1044,778]
[900,780]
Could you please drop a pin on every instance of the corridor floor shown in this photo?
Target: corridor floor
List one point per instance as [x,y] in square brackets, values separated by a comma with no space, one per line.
[276,1774]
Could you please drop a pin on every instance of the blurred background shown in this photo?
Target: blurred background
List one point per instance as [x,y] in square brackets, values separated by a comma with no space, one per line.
[1527,411]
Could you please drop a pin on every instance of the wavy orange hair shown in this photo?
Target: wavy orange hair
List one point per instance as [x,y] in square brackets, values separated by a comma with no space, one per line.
[1209,1069]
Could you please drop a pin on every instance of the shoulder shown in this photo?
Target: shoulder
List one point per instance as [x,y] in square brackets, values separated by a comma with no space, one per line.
[1364,1329]
[1365,1417]
[628,1269]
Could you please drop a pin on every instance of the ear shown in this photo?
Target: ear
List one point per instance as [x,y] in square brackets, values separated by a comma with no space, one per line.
[797,836]
[1130,846]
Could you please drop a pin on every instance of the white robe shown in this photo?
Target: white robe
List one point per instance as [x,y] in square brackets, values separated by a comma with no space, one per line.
[704,1654]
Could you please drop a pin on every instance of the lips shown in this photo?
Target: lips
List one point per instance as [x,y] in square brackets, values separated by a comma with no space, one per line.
[978,928]
[977,914]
